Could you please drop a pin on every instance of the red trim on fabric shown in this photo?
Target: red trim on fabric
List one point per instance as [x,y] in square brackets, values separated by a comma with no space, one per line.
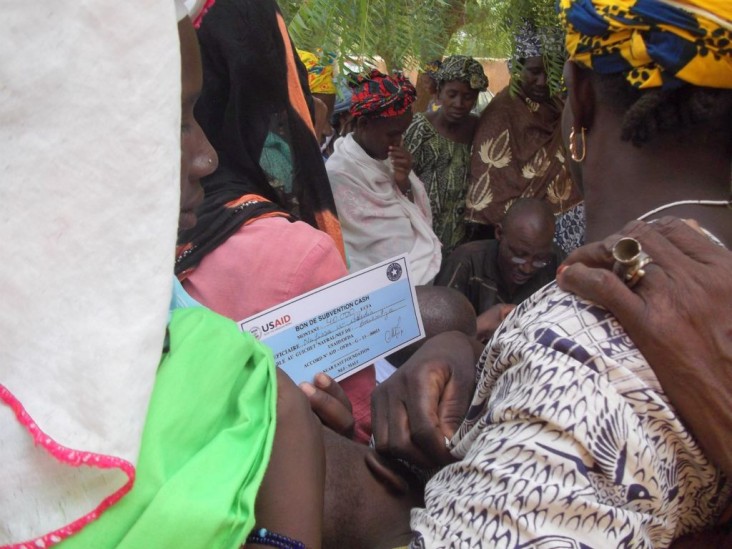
[204,10]
[245,198]
[73,458]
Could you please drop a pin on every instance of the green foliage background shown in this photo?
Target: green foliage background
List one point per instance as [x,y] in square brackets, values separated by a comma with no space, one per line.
[410,33]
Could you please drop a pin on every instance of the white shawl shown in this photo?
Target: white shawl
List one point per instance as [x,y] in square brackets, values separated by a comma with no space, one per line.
[377,220]
[90,157]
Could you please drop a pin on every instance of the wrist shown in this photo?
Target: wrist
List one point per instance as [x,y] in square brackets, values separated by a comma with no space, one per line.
[405,187]
[267,538]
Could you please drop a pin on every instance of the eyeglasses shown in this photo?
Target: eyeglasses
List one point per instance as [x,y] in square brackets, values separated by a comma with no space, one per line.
[538,264]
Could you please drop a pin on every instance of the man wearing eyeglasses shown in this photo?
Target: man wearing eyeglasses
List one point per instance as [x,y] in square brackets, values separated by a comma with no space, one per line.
[496,275]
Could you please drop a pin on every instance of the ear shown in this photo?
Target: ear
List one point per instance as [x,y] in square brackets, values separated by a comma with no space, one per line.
[498,231]
[384,473]
[581,94]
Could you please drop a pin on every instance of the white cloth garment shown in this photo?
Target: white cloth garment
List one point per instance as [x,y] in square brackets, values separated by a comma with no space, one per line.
[90,157]
[377,220]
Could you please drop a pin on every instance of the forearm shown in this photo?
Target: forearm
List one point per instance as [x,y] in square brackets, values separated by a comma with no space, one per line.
[288,503]
[703,398]
[290,499]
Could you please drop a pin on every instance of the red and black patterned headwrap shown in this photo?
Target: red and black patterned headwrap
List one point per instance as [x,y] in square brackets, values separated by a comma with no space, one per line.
[381,96]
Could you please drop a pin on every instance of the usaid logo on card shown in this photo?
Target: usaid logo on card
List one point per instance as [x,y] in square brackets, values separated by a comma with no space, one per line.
[394,272]
[343,326]
[271,326]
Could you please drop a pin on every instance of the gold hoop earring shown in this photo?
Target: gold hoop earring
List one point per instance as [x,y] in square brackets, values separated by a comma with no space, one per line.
[574,145]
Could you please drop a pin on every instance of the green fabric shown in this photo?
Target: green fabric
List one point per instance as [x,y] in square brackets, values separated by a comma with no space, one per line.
[443,166]
[206,443]
[276,161]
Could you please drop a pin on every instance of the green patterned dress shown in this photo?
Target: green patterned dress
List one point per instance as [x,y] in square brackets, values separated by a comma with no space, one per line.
[443,166]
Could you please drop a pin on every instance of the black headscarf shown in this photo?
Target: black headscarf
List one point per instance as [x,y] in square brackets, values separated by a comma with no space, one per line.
[245,83]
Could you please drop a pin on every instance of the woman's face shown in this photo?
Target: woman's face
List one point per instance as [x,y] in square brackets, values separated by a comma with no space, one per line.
[376,135]
[533,79]
[457,99]
[198,158]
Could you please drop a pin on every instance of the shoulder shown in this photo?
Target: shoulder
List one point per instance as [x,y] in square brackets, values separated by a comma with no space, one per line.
[497,107]
[464,262]
[265,263]
[552,328]
[419,130]
[289,241]
[344,150]
[471,123]
[199,332]
[472,250]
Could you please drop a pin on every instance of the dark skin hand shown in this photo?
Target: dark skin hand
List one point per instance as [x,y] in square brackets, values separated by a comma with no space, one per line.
[425,401]
[489,321]
[330,403]
[678,316]
[401,160]
[290,500]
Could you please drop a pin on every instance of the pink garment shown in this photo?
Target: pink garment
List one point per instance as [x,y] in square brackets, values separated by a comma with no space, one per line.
[236,282]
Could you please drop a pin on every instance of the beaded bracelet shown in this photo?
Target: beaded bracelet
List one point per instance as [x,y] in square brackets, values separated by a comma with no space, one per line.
[262,536]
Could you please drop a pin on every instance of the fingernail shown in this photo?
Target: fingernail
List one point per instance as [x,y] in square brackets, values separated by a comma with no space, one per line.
[322,380]
[307,388]
[561,269]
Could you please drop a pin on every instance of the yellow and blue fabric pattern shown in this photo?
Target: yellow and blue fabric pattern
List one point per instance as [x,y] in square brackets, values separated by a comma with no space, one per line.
[654,43]
[320,71]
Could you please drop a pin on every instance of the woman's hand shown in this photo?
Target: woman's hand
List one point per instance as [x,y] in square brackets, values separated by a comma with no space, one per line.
[679,315]
[330,403]
[489,321]
[401,161]
[424,401]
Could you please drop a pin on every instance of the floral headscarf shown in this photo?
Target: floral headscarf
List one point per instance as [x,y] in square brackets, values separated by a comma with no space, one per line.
[463,68]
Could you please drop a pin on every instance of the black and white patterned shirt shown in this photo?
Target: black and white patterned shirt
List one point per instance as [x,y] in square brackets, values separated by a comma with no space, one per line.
[569,443]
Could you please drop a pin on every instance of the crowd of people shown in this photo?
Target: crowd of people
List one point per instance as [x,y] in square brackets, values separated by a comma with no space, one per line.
[564,395]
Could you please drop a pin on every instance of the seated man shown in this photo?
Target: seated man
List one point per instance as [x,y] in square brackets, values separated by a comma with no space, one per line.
[496,275]
[382,206]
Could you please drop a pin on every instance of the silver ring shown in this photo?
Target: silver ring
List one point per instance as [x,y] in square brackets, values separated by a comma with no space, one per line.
[448,443]
[630,260]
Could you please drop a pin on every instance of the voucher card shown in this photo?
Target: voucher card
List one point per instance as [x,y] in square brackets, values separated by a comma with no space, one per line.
[343,326]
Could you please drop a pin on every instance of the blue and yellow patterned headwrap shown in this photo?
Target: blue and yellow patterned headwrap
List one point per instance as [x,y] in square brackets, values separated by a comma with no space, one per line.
[654,43]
